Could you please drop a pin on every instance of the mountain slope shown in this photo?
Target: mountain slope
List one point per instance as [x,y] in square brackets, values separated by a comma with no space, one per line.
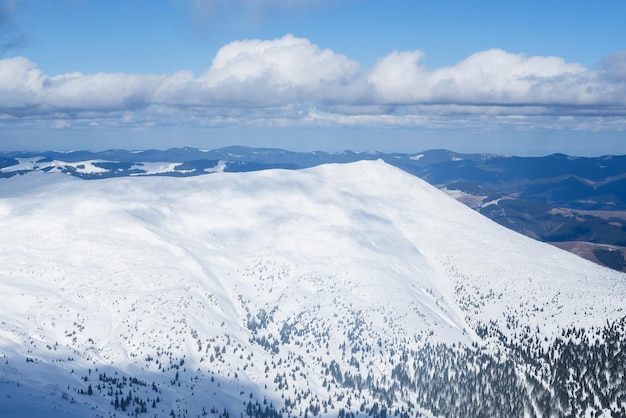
[336,290]
[557,198]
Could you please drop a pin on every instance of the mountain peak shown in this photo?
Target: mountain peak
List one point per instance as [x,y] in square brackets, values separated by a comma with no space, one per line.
[345,281]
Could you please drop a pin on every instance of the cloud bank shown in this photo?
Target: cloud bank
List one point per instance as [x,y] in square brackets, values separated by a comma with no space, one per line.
[291,81]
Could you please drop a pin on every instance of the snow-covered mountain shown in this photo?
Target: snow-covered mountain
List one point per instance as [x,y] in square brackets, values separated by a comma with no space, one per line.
[574,203]
[339,290]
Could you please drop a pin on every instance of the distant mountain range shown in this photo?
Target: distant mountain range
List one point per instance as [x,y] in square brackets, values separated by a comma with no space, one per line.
[576,203]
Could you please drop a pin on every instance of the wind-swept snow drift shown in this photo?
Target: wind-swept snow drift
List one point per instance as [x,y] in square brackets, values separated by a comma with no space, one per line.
[335,290]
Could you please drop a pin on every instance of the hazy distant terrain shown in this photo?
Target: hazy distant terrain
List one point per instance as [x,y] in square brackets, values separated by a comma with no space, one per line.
[576,203]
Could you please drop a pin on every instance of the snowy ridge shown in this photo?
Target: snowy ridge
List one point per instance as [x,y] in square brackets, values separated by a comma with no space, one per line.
[290,286]
[41,164]
[99,168]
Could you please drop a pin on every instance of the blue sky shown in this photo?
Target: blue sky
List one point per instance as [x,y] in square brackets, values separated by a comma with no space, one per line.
[526,78]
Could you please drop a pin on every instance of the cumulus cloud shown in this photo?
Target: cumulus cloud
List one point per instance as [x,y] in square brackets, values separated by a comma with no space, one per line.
[287,60]
[265,73]
[26,90]
[290,80]
[20,83]
[100,92]
[490,77]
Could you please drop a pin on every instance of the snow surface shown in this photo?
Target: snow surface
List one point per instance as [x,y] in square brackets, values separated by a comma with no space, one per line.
[39,163]
[492,202]
[151,168]
[219,168]
[105,274]
[22,164]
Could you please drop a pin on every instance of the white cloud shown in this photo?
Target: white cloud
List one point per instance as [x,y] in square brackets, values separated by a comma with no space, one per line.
[264,73]
[287,61]
[20,83]
[26,90]
[291,81]
[492,77]
[101,91]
